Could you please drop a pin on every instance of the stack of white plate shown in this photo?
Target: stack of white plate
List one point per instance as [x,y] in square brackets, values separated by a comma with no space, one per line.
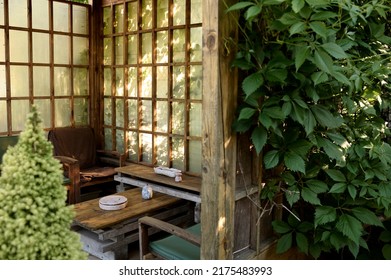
[113,202]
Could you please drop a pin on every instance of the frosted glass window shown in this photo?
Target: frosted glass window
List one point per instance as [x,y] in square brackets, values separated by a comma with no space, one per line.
[132,114]
[178,153]
[62,81]
[107,111]
[132,49]
[146,56]
[119,82]
[1,12]
[108,139]
[161,116]
[61,49]
[60,17]
[132,145]
[2,45]
[196,82]
[107,51]
[19,111]
[162,81]
[119,113]
[118,18]
[62,112]
[146,14]
[18,13]
[119,50]
[161,144]
[80,81]
[146,82]
[3,87]
[80,50]
[178,118]
[107,21]
[3,116]
[43,106]
[178,82]
[19,81]
[179,12]
[40,14]
[196,11]
[120,141]
[179,45]
[195,128]
[107,82]
[146,115]
[146,147]
[41,81]
[162,13]
[81,111]
[132,16]
[18,46]
[132,82]
[196,44]
[162,47]
[40,47]
[80,20]
[195,156]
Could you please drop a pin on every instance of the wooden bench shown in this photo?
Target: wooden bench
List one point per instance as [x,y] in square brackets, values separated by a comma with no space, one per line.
[106,234]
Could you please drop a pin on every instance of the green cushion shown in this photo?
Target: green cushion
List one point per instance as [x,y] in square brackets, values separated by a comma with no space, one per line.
[5,142]
[176,248]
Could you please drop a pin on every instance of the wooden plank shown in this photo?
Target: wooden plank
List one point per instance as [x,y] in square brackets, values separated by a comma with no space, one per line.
[219,141]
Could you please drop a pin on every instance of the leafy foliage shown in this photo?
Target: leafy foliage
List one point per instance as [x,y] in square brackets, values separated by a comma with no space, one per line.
[34,219]
[315,88]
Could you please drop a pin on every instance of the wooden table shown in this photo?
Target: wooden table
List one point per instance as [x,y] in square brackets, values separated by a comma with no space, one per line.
[106,234]
[139,175]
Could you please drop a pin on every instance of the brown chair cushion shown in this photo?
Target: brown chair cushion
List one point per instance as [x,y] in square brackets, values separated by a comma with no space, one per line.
[77,143]
[94,172]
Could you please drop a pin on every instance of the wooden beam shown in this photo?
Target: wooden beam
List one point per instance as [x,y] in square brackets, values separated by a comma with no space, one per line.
[219,141]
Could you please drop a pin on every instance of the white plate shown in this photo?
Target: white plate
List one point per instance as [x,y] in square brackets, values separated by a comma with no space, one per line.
[113,202]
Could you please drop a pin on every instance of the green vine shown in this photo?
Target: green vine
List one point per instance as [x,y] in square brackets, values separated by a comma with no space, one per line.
[315,91]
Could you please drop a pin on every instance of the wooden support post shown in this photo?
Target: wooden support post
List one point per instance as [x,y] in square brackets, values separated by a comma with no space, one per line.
[219,141]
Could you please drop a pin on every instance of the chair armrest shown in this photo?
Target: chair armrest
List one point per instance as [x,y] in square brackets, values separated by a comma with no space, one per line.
[111,157]
[72,171]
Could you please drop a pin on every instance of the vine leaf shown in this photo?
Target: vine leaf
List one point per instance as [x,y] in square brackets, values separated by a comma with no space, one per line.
[239,6]
[294,162]
[324,215]
[310,196]
[302,242]
[284,243]
[252,83]
[271,159]
[336,175]
[246,113]
[259,138]
[366,216]
[323,61]
[297,5]
[334,50]
[350,227]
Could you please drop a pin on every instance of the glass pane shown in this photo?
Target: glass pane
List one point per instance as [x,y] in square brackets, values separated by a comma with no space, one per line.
[80,20]
[161,81]
[146,13]
[195,156]
[178,117]
[120,141]
[107,20]
[132,49]
[18,13]
[119,113]
[161,143]
[19,81]
[161,116]
[81,111]
[196,82]
[3,85]
[132,146]
[132,82]
[196,43]
[119,82]
[40,14]
[62,108]
[60,17]
[19,111]
[146,115]
[162,13]
[41,48]
[107,111]
[2,45]
[3,116]
[132,16]
[146,147]
[18,39]
[195,125]
[1,12]
[43,106]
[107,82]
[41,81]
[61,49]
[179,12]
[146,56]
[178,153]
[80,50]
[179,82]
[107,51]
[146,82]
[62,81]
[119,50]
[162,47]
[179,45]
[196,11]
[132,114]
[108,139]
[80,81]
[118,18]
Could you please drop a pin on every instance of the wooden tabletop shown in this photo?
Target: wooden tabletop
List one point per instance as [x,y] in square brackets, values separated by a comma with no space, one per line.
[190,183]
[89,215]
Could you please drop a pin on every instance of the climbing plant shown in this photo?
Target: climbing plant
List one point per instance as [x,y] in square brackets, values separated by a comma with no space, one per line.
[315,90]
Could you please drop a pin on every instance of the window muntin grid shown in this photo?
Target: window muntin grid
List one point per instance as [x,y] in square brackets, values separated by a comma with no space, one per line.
[153,81]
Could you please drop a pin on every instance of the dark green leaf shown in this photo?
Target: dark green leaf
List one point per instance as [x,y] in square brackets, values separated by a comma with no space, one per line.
[385,236]
[274,112]
[246,113]
[366,216]
[338,188]
[297,28]
[284,243]
[324,215]
[240,5]
[302,242]
[341,78]
[292,195]
[252,83]
[297,5]
[325,117]
[323,16]
[331,149]
[253,11]
[309,196]
[350,227]
[319,77]
[302,52]
[317,3]
[281,227]
[305,227]
[309,122]
[354,248]
[334,50]
[289,19]
[319,28]
[352,191]
[336,175]
[276,75]
[259,138]
[323,61]
[386,251]
[317,186]
[294,162]
[272,2]
[300,147]
[271,159]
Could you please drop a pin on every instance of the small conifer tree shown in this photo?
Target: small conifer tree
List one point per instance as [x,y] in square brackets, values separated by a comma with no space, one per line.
[34,218]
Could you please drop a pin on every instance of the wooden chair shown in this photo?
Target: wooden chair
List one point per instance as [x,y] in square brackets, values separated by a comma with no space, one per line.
[84,165]
[181,244]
